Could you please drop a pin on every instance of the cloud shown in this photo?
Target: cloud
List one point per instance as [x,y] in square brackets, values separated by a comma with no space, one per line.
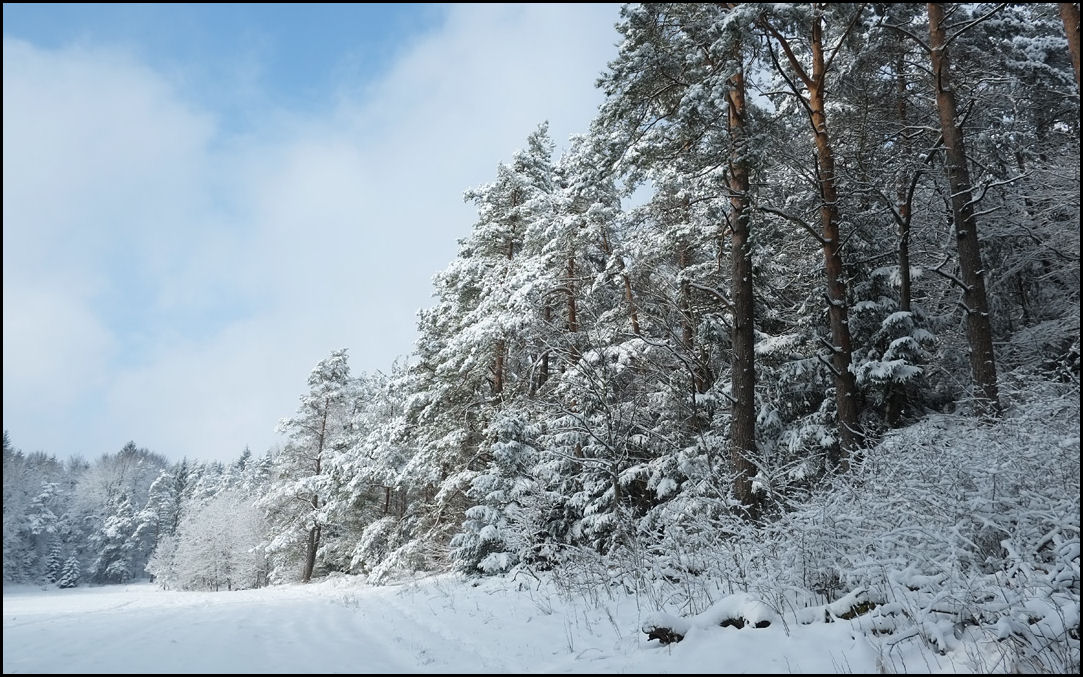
[172,282]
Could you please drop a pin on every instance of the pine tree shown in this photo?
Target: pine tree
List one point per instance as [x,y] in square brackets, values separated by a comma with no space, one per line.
[488,542]
[808,82]
[320,430]
[69,576]
[54,564]
[676,113]
[975,300]
[487,344]
[116,545]
[1069,12]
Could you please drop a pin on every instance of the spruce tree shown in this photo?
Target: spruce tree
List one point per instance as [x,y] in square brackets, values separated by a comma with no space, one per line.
[69,576]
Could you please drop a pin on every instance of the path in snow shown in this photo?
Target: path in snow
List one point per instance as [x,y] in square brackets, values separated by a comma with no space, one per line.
[295,629]
[438,625]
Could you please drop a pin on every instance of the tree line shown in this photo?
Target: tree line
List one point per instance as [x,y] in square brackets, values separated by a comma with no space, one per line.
[789,231]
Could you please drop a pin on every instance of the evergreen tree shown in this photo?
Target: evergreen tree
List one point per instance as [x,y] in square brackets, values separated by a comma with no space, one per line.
[54,564]
[69,576]
[116,545]
[319,431]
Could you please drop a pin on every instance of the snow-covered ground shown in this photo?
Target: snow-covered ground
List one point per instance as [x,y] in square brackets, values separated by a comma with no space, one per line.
[437,624]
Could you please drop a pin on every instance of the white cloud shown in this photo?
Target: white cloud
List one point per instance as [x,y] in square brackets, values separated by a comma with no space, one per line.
[185,280]
[60,340]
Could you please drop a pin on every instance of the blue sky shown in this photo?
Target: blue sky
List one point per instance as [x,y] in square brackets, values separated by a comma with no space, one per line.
[202,201]
[237,59]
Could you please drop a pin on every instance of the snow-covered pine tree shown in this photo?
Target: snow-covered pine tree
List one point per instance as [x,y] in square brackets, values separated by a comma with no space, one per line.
[803,64]
[295,500]
[366,483]
[115,544]
[483,347]
[676,113]
[69,575]
[160,516]
[54,563]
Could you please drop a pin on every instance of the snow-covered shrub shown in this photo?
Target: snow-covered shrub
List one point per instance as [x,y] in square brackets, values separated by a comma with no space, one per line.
[960,531]
[954,533]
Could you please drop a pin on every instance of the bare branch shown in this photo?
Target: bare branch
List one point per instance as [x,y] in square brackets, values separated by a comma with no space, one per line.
[785,44]
[827,344]
[985,188]
[954,279]
[792,84]
[842,38]
[910,35]
[798,220]
[903,223]
[828,364]
[714,292]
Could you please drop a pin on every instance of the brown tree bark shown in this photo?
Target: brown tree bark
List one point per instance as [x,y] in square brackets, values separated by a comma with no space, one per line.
[498,367]
[975,303]
[743,369]
[312,545]
[573,320]
[501,345]
[903,193]
[845,386]
[1069,14]
[633,313]
[846,394]
[684,303]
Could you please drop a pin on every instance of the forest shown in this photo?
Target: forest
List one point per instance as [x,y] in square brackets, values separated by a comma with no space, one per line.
[797,316]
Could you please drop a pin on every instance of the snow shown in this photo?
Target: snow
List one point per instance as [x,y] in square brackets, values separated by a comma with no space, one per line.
[437,624]
[741,607]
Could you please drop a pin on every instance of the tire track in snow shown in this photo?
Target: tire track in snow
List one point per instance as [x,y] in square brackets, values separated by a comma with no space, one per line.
[300,630]
[483,660]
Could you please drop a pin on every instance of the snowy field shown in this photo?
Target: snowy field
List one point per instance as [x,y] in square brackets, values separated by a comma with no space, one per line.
[437,624]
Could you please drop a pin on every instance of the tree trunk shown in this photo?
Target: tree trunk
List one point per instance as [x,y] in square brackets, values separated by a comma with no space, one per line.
[313,542]
[501,348]
[846,394]
[633,313]
[1069,14]
[312,546]
[543,370]
[896,400]
[684,303]
[903,193]
[573,318]
[743,370]
[701,372]
[845,386]
[979,332]
[573,321]
[498,368]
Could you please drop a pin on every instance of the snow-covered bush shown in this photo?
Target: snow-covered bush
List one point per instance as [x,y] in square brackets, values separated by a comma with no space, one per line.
[958,534]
